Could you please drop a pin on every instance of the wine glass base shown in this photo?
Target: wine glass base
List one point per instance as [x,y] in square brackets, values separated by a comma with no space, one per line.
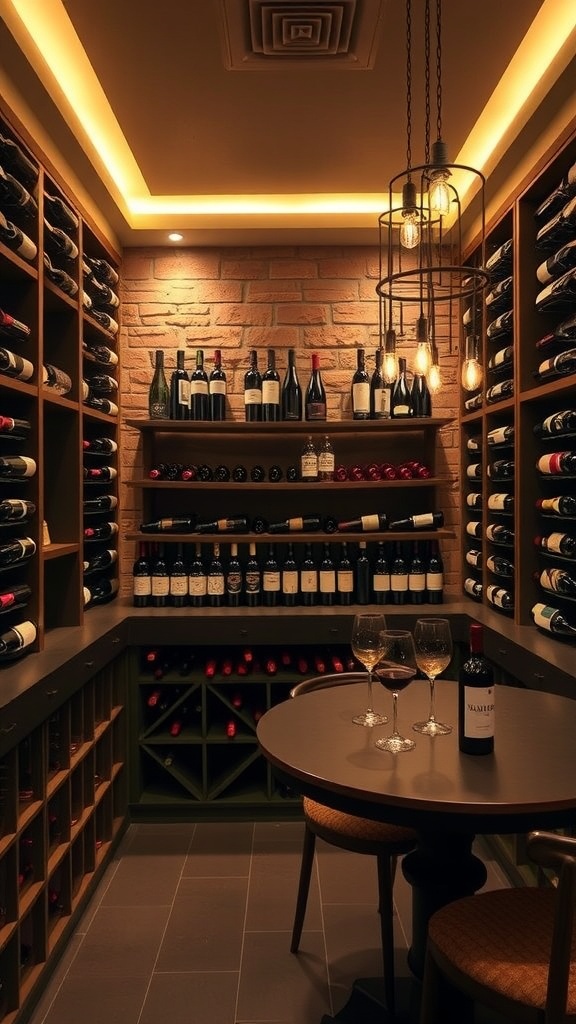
[395,744]
[370,719]
[432,728]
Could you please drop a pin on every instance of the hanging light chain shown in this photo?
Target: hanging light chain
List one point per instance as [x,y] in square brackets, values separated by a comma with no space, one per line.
[427,82]
[439,67]
[408,86]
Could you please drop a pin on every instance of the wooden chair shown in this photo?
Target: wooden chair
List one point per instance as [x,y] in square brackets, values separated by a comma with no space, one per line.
[359,835]
[512,950]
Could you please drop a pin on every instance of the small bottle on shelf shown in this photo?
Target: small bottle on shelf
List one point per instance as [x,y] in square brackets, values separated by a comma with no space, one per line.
[271,579]
[360,389]
[217,389]
[199,389]
[291,391]
[344,576]
[142,578]
[159,394]
[309,461]
[197,579]
[315,398]
[253,390]
[325,459]
[216,583]
[180,390]
[381,577]
[434,575]
[271,390]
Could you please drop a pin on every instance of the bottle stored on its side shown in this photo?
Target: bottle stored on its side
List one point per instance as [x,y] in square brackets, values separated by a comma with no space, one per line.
[561,505]
[13,328]
[17,240]
[199,389]
[501,502]
[289,578]
[13,194]
[291,391]
[100,592]
[552,620]
[499,534]
[18,550]
[500,566]
[170,524]
[501,469]
[498,392]
[100,561]
[557,543]
[557,366]
[360,389]
[19,594]
[296,524]
[13,156]
[17,640]
[560,227]
[14,429]
[473,588]
[476,699]
[16,366]
[422,521]
[500,597]
[253,390]
[474,500]
[559,263]
[561,422]
[326,461]
[16,467]
[556,581]
[159,394]
[557,464]
[401,402]
[364,524]
[14,510]
[141,578]
[315,398]
[234,524]
[559,196]
[99,474]
[271,579]
[217,389]
[180,390]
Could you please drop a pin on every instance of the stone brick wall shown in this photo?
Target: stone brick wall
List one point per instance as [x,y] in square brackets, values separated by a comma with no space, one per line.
[312,299]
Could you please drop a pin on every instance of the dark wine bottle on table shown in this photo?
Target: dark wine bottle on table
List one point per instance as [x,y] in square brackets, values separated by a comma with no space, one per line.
[15,159]
[180,390]
[159,394]
[19,594]
[360,389]
[315,398]
[217,389]
[271,390]
[199,389]
[476,699]
[253,390]
[141,578]
[291,391]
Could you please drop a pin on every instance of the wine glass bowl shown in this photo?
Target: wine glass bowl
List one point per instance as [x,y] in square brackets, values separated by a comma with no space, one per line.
[396,670]
[368,647]
[433,647]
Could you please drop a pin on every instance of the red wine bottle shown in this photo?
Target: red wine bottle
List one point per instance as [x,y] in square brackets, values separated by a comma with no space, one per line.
[315,398]
[199,408]
[252,582]
[18,594]
[103,503]
[15,510]
[99,474]
[344,577]
[271,579]
[14,195]
[271,390]
[363,524]
[18,550]
[363,589]
[308,579]
[557,366]
[13,328]
[380,392]
[253,390]
[501,502]
[500,597]
[16,467]
[327,577]
[558,197]
[160,580]
[141,578]
[289,579]
[422,521]
[360,388]
[291,398]
[398,577]
[102,560]
[100,531]
[499,566]
[215,582]
[416,577]
[14,429]
[558,544]
[15,366]
[217,389]
[13,156]
[100,592]
[562,505]
[499,534]
[556,463]
[99,446]
[180,390]
[476,699]
[178,579]
[174,524]
[60,213]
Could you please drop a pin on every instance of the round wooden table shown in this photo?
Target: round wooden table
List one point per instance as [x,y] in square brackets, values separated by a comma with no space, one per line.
[448,797]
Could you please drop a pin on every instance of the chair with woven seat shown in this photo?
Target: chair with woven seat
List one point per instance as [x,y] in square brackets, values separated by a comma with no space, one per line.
[511,950]
[358,835]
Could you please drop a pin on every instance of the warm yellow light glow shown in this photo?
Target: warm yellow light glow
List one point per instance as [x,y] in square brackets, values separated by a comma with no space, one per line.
[423,357]
[439,193]
[175,236]
[410,231]
[434,379]
[471,374]
[390,368]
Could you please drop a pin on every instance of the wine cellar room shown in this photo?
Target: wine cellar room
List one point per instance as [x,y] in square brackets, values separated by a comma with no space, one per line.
[254,383]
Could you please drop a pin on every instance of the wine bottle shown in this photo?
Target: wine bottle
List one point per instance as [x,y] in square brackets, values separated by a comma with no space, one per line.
[180,390]
[199,408]
[556,581]
[501,437]
[17,550]
[100,354]
[14,429]
[562,422]
[253,390]
[216,583]
[13,328]
[552,620]
[562,505]
[501,469]
[498,392]
[18,640]
[100,561]
[15,239]
[363,575]
[423,521]
[501,325]
[14,509]
[557,463]
[500,295]
[60,213]
[327,577]
[562,335]
[100,592]
[559,196]
[473,588]
[102,270]
[271,579]
[58,244]
[100,294]
[308,579]
[296,524]
[499,534]
[315,399]
[474,528]
[16,467]
[217,389]
[500,566]
[101,531]
[559,294]
[271,390]
[102,503]
[502,359]
[13,194]
[197,579]
[474,558]
[420,397]
[434,575]
[99,474]
[13,156]
[19,594]
[380,576]
[234,524]
[380,393]
[344,576]
[476,699]
[178,579]
[275,474]
[401,402]
[103,405]
[360,390]
[398,576]
[172,524]
[364,524]
[473,403]
[474,500]
[501,502]
[159,395]
[233,578]
[252,578]
[15,366]
[558,543]
[107,322]
[291,391]
[326,459]
[141,578]
[416,577]
[474,471]
[289,578]
[56,380]
[99,446]
[160,580]
[500,597]
[557,366]
[558,264]
[59,277]
[309,461]
[560,227]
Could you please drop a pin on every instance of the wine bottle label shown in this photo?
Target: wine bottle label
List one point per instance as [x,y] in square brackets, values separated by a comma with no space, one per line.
[198,586]
[296,524]
[361,398]
[399,582]
[198,387]
[472,444]
[252,396]
[345,578]
[178,586]
[18,509]
[473,528]
[27,248]
[308,581]
[142,586]
[309,465]
[386,402]
[290,581]
[434,581]
[327,581]
[498,596]
[417,582]
[26,633]
[252,582]
[326,462]
[479,709]
[542,614]
[216,586]
[554,542]
[474,471]
[474,558]
[271,580]
[160,586]
[503,355]
[546,366]
[183,392]
[17,366]
[401,410]
[270,392]
[551,463]
[217,387]
[381,582]
[234,582]
[500,435]
[472,587]
[422,521]
[370,523]
[474,499]
[498,502]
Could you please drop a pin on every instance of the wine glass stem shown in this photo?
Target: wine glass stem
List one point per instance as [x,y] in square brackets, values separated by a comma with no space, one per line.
[394,713]
[369,710]
[432,717]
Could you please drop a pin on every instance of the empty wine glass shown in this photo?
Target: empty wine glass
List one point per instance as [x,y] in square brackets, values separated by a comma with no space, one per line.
[433,645]
[368,647]
[395,671]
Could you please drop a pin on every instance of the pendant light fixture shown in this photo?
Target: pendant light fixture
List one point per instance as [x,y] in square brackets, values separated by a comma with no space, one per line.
[427,225]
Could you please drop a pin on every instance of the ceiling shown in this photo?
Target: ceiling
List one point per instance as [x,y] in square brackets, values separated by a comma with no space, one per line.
[162,109]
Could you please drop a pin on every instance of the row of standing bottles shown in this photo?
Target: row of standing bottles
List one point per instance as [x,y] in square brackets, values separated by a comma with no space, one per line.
[202,396]
[323,573]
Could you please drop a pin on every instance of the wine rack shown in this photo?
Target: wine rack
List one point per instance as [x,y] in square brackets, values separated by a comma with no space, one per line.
[43,289]
[531,339]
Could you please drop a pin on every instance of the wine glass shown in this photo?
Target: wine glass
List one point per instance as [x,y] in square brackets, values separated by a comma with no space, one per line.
[395,671]
[368,647]
[433,645]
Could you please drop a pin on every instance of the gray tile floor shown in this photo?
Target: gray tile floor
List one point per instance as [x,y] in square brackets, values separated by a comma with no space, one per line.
[191,924]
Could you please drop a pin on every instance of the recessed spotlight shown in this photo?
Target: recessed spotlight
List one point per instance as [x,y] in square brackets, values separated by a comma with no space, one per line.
[175,236]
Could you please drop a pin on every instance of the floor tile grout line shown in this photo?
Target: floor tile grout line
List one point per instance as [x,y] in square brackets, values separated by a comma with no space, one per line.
[242,941]
[322,919]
